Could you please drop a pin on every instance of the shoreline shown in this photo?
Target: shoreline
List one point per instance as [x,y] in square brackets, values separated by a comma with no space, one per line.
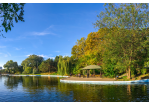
[95,80]
[35,75]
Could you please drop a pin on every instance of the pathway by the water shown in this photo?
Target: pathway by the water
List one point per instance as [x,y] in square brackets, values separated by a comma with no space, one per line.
[89,79]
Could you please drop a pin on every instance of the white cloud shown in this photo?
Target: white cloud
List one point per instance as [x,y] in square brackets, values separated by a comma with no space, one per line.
[40,33]
[27,55]
[52,57]
[65,55]
[18,48]
[45,32]
[49,27]
[44,56]
[57,51]
[2,46]
[6,54]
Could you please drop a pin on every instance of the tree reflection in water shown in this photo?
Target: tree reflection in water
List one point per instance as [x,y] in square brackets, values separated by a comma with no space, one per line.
[50,89]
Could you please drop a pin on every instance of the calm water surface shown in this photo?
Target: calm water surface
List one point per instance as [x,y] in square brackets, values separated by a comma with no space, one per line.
[49,89]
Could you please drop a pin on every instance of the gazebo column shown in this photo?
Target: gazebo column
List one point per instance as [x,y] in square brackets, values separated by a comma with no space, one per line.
[87,73]
[84,73]
[94,72]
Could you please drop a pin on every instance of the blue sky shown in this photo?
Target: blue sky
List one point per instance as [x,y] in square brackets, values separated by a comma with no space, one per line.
[49,30]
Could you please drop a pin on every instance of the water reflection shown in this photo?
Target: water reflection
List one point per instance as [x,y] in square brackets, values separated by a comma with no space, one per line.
[12,82]
[48,89]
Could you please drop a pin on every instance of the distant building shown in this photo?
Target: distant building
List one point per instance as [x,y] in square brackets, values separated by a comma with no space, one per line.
[0,68]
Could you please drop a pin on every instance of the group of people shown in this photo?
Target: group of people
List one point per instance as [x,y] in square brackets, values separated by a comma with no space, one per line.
[78,75]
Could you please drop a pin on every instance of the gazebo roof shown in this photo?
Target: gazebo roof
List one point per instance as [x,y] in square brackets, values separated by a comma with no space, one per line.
[92,67]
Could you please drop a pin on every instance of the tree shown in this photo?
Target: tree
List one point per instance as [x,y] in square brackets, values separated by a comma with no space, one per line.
[56,59]
[10,12]
[10,65]
[32,61]
[127,35]
[48,65]
[88,51]
[64,65]
[28,70]
[44,66]
[79,49]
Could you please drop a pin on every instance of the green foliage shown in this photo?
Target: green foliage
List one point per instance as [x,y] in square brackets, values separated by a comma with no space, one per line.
[121,43]
[124,78]
[12,67]
[79,49]
[143,71]
[49,65]
[126,41]
[28,70]
[35,71]
[3,71]
[64,65]
[133,71]
[10,12]
[109,68]
[32,61]
[44,66]
[53,74]
[124,15]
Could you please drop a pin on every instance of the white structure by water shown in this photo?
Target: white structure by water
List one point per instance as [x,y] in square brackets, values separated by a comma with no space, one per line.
[106,82]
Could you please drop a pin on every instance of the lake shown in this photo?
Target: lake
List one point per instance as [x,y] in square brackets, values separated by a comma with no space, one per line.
[50,89]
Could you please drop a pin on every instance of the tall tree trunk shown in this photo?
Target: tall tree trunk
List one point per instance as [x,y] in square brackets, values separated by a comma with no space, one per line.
[129,73]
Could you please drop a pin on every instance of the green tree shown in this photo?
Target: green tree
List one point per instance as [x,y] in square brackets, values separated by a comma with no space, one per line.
[10,12]
[11,66]
[88,51]
[44,66]
[127,35]
[79,49]
[32,61]
[49,65]
[64,65]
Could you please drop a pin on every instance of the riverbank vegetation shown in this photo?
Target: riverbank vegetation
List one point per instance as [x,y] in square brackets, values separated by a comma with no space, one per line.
[121,45]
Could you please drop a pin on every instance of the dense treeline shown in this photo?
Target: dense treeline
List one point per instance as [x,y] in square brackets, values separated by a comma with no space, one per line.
[32,65]
[121,45]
